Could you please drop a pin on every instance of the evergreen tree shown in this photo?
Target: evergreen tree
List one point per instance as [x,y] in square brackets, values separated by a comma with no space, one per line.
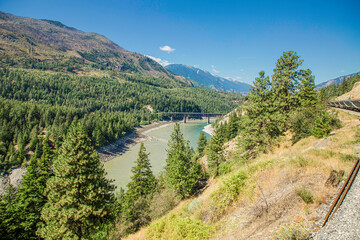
[260,124]
[143,180]
[79,195]
[181,172]
[140,189]
[8,219]
[232,127]
[201,144]
[307,94]
[285,80]
[215,154]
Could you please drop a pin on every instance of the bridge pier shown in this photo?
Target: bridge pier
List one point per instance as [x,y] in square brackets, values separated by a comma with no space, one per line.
[208,120]
[172,118]
[184,118]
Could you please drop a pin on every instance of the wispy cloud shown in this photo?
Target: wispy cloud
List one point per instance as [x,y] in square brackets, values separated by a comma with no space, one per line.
[214,69]
[167,49]
[342,71]
[160,61]
[235,79]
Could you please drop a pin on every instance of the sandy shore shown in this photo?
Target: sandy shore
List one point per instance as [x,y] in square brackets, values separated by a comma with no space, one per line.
[208,129]
[119,147]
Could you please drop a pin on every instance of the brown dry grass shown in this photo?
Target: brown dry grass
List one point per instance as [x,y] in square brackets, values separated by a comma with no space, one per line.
[269,198]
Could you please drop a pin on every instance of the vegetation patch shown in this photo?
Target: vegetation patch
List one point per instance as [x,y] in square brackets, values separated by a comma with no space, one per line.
[228,192]
[179,227]
[305,195]
[292,231]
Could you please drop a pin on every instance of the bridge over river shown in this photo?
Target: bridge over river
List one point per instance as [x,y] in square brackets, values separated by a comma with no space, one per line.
[187,115]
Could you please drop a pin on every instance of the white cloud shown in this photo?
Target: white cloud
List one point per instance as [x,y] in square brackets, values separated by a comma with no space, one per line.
[235,79]
[241,70]
[167,49]
[214,70]
[342,71]
[160,61]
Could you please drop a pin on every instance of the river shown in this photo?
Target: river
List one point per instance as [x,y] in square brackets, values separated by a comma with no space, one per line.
[119,168]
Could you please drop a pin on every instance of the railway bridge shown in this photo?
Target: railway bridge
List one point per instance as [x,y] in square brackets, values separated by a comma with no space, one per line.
[187,115]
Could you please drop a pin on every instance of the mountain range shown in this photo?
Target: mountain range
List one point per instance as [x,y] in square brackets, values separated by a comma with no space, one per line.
[205,79]
[337,80]
[51,45]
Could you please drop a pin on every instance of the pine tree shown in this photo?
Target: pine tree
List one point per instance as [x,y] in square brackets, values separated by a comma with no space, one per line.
[201,144]
[181,172]
[215,154]
[79,195]
[307,94]
[143,180]
[140,189]
[260,124]
[8,219]
[285,80]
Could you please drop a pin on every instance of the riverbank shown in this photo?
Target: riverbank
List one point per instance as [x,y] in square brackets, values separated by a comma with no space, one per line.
[120,146]
[139,135]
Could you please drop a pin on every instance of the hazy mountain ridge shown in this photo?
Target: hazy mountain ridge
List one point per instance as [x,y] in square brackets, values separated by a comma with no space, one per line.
[337,80]
[48,44]
[207,79]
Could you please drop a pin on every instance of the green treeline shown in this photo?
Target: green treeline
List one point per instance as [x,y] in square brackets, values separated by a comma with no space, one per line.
[332,91]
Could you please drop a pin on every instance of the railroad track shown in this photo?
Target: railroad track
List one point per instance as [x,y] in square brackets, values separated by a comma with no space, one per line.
[342,194]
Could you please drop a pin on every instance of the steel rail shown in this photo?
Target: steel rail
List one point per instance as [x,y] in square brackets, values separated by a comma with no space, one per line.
[342,194]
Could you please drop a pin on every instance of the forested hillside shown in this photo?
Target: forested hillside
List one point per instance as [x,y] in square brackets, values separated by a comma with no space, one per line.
[332,91]
[52,75]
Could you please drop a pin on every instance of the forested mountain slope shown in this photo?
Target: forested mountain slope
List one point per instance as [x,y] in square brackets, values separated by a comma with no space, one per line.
[52,75]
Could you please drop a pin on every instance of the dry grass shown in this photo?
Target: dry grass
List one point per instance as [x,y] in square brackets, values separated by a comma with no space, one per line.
[269,198]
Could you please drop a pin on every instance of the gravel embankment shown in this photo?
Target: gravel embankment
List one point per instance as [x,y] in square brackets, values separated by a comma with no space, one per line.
[345,223]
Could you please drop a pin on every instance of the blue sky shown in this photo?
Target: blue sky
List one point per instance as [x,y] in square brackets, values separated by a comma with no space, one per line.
[234,39]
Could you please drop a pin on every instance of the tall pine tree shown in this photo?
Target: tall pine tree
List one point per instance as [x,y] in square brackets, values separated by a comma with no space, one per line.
[79,196]
[140,188]
[181,173]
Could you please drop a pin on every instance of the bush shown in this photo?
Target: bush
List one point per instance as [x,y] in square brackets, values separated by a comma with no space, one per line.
[178,227]
[301,123]
[292,231]
[324,124]
[305,195]
[162,202]
[228,192]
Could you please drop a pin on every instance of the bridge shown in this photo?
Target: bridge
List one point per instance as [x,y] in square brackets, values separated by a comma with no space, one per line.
[353,104]
[186,115]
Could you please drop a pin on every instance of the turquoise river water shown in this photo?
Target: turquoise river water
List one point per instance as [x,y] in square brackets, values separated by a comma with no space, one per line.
[119,168]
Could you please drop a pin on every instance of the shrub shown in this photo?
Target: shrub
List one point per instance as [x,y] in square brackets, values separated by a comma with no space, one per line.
[178,227]
[321,126]
[305,195]
[162,202]
[228,192]
[292,231]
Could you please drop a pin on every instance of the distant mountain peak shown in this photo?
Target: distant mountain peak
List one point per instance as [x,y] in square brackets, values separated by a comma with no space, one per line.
[205,78]
[334,81]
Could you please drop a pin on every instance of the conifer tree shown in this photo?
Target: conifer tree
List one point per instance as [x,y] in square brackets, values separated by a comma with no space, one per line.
[215,154]
[201,144]
[140,189]
[181,172]
[79,195]
[8,219]
[143,180]
[307,94]
[260,124]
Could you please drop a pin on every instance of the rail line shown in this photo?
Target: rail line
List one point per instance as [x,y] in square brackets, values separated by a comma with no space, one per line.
[342,194]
